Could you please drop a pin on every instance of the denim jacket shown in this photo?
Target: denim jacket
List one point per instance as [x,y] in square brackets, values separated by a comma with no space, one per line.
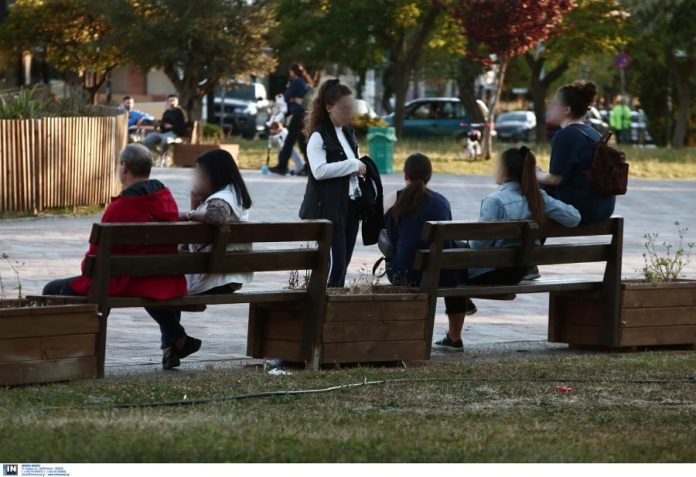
[508,203]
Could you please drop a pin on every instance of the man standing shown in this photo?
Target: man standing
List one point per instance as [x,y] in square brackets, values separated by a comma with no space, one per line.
[142,200]
[620,121]
[172,126]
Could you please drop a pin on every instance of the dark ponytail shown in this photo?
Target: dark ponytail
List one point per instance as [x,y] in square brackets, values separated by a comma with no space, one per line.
[418,171]
[300,71]
[520,165]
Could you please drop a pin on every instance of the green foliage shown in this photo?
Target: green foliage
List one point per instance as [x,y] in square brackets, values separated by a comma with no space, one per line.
[666,267]
[196,44]
[20,105]
[362,123]
[212,132]
[74,36]
[27,105]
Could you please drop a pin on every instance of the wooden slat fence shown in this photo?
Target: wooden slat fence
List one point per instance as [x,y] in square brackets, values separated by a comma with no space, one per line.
[60,162]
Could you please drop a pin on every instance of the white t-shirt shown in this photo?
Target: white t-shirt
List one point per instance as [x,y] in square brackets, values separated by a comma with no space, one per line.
[324,170]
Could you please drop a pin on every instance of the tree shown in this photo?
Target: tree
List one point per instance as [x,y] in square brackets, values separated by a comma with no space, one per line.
[362,34]
[669,23]
[196,44]
[592,27]
[74,36]
[504,29]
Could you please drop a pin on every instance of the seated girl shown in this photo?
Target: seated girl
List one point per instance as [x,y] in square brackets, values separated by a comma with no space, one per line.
[519,198]
[405,213]
[219,196]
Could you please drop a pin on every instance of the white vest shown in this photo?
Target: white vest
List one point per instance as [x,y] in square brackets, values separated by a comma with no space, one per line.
[199,283]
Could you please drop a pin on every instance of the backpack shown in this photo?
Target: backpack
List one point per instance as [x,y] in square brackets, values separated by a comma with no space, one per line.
[609,170]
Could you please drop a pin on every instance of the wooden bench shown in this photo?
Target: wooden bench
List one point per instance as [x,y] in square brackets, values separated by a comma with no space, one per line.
[314,257]
[431,262]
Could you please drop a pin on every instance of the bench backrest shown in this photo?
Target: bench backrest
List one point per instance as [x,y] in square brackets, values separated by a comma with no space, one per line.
[312,253]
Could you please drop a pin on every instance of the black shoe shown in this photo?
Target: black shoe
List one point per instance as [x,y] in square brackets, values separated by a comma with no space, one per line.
[532,273]
[448,345]
[303,173]
[191,346]
[470,308]
[278,170]
[170,358]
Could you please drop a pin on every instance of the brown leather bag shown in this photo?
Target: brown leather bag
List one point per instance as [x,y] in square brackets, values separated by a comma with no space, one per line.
[609,171]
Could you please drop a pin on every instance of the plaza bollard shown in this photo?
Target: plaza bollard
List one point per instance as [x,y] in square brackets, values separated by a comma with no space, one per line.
[381,145]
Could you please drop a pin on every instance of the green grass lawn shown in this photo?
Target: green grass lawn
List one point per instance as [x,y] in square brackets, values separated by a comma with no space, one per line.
[447,157]
[505,411]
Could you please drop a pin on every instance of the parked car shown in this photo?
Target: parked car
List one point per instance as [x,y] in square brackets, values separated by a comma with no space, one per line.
[363,108]
[516,126]
[436,117]
[241,108]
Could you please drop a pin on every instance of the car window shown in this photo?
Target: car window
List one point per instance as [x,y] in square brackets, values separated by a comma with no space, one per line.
[510,117]
[451,110]
[419,110]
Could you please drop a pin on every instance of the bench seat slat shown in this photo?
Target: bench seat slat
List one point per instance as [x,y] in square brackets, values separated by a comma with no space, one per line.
[256,296]
[537,286]
[233,262]
[463,258]
[189,232]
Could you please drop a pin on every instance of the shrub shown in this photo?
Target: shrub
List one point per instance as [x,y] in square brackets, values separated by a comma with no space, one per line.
[27,104]
[667,267]
[212,132]
[362,123]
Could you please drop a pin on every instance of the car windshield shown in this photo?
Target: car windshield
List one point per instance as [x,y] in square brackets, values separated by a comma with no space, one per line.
[512,117]
[244,91]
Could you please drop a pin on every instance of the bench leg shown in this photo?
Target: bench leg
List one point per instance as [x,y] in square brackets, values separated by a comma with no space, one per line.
[313,362]
[101,343]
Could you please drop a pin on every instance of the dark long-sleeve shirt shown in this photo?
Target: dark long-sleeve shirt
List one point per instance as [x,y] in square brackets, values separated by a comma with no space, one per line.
[175,117]
[296,89]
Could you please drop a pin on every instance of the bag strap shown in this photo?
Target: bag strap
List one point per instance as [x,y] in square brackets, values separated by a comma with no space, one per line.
[375,267]
[602,140]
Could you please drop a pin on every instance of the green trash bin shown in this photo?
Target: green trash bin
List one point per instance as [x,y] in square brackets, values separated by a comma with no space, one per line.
[381,144]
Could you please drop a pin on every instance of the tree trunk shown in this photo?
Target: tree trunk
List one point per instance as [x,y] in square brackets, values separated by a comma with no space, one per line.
[469,70]
[401,81]
[683,90]
[539,87]
[487,136]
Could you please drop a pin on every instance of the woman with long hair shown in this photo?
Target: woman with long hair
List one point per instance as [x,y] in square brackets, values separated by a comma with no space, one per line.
[518,198]
[332,185]
[299,86]
[572,153]
[219,196]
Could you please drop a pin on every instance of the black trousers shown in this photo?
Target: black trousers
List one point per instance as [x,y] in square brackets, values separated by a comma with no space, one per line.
[169,320]
[499,276]
[295,135]
[342,246]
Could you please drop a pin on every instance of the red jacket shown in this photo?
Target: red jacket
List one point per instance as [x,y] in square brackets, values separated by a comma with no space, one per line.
[147,201]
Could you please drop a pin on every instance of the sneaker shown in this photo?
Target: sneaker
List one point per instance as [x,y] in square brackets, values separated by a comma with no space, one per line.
[470,308]
[448,345]
[191,346]
[278,170]
[532,274]
[170,358]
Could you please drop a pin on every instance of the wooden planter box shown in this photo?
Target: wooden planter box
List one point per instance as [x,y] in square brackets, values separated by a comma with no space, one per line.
[651,315]
[184,155]
[40,344]
[357,329]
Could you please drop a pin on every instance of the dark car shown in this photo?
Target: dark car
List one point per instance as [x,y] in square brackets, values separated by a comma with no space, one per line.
[594,118]
[241,108]
[435,117]
[516,126]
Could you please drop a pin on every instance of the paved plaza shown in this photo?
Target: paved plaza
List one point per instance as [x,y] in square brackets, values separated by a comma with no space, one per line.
[52,247]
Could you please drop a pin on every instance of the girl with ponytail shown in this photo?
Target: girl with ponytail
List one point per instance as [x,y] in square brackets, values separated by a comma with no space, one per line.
[518,198]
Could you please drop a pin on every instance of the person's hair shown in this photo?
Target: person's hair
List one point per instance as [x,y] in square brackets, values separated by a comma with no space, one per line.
[520,166]
[330,92]
[578,96]
[222,171]
[418,170]
[300,71]
[275,125]
[138,160]
[126,98]
[169,96]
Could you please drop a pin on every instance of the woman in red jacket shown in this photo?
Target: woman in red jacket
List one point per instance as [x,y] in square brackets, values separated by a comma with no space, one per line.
[142,200]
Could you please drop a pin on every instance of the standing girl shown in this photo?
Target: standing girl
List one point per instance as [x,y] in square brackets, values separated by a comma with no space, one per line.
[298,87]
[332,185]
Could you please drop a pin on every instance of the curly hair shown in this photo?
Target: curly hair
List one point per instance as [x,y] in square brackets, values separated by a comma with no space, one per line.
[330,92]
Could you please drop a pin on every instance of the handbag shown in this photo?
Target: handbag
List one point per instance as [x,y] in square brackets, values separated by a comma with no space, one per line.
[387,248]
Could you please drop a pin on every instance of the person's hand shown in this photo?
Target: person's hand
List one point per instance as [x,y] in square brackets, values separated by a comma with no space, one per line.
[362,169]
[196,199]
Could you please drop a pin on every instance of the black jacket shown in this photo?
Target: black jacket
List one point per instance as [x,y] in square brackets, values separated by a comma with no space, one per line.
[176,118]
[328,198]
[371,203]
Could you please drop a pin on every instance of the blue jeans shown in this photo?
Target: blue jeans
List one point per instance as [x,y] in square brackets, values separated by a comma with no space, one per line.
[169,320]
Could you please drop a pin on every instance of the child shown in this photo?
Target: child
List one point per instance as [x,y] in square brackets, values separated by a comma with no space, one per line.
[519,198]
[279,110]
[473,145]
[278,136]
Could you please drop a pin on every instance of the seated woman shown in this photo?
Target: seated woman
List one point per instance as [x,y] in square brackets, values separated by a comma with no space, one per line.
[219,196]
[406,212]
[519,198]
